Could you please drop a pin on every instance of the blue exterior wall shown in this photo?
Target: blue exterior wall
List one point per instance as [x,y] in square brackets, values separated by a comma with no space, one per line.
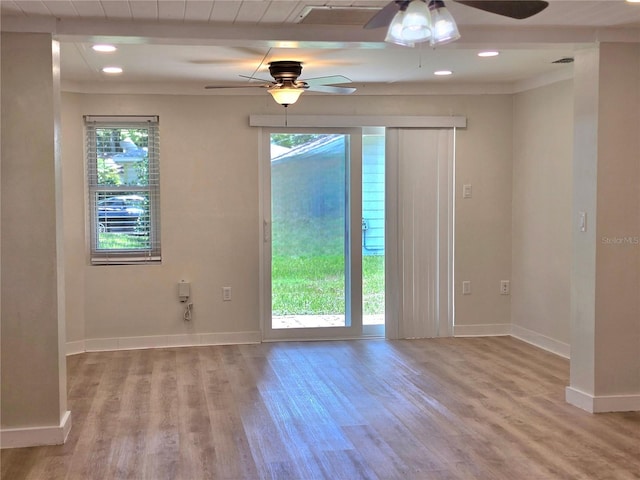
[373,195]
[308,185]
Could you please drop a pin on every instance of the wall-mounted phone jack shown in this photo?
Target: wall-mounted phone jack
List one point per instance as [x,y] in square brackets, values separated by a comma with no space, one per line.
[184,291]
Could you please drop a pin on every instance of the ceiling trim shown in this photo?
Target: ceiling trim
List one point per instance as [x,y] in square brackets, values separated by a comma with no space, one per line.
[402,121]
[299,35]
[369,89]
[543,80]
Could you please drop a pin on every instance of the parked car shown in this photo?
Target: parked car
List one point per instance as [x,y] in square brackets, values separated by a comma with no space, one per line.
[120,213]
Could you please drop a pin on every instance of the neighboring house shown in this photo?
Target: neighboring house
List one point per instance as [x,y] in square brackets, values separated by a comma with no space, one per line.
[309,182]
[129,160]
[373,180]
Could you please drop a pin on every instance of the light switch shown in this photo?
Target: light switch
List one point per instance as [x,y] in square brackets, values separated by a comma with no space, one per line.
[582,219]
[466,191]
[226,294]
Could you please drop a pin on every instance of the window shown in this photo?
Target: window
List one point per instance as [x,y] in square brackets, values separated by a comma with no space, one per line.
[124,189]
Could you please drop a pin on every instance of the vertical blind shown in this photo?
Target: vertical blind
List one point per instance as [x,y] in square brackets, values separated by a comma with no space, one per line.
[421,209]
[123,168]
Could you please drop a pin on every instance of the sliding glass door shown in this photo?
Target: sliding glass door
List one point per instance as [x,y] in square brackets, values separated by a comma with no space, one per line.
[312,244]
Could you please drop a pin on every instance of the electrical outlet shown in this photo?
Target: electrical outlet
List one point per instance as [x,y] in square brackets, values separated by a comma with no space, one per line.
[226,294]
[466,287]
[505,287]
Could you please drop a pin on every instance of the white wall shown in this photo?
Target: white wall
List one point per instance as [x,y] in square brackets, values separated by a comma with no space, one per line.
[33,394]
[483,222]
[74,200]
[605,331]
[617,297]
[209,182]
[542,202]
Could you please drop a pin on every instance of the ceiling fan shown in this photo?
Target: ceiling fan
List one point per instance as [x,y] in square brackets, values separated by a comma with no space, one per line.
[414,21]
[286,88]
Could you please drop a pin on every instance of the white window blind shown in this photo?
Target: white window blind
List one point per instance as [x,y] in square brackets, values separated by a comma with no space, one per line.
[123,166]
[420,222]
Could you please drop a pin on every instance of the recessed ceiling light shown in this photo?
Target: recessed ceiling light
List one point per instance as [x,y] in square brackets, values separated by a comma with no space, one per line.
[104,48]
[489,53]
[112,70]
[442,72]
[633,1]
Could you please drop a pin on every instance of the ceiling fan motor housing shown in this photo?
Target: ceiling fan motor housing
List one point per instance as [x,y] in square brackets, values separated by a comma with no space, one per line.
[285,70]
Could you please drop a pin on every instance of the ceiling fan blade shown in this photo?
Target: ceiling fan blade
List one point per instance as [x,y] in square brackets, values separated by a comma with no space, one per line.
[215,87]
[518,9]
[330,89]
[285,74]
[383,17]
[257,83]
[331,80]
[263,80]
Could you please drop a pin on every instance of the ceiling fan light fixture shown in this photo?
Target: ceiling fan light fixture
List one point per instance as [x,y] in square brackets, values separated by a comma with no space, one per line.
[285,95]
[394,32]
[416,26]
[419,21]
[443,27]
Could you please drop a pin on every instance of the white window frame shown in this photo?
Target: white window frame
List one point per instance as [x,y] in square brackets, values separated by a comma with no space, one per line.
[152,252]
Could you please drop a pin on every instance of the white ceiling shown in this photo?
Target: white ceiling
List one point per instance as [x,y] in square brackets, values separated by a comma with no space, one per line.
[170,46]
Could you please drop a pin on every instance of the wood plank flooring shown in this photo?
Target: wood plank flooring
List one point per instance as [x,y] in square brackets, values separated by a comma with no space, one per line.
[452,408]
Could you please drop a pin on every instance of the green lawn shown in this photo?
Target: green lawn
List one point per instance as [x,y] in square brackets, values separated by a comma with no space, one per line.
[314,285]
[115,241]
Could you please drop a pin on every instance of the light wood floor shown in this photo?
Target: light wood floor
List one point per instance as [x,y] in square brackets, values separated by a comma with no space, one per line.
[466,408]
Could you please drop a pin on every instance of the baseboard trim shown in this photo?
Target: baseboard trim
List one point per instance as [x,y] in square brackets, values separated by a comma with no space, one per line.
[602,404]
[578,399]
[233,338]
[36,436]
[486,330]
[165,341]
[515,331]
[73,348]
[541,341]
